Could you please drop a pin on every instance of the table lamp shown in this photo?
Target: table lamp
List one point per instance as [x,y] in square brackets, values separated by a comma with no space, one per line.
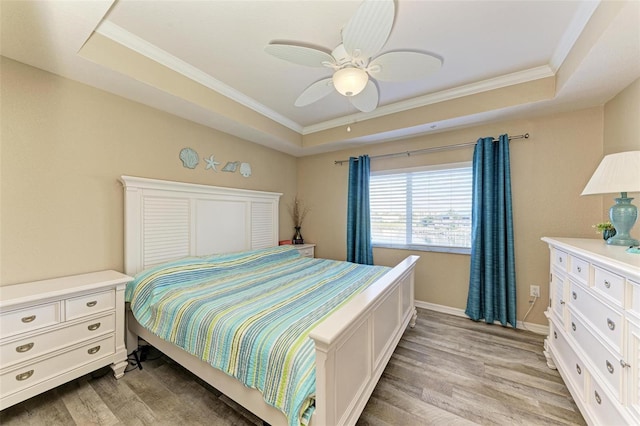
[618,173]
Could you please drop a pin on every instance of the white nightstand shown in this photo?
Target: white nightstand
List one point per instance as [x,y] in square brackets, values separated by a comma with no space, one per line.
[56,330]
[306,250]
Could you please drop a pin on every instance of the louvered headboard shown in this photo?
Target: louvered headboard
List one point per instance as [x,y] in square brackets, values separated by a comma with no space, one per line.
[167,220]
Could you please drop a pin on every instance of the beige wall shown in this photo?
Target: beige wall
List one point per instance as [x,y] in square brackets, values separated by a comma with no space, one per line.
[64,145]
[622,121]
[622,133]
[549,171]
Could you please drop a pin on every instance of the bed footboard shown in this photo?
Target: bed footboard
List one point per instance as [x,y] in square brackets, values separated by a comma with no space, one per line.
[354,345]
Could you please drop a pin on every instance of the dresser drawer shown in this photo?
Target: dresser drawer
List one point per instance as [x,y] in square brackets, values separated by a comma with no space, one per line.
[602,317]
[610,285]
[28,348]
[567,358]
[635,296]
[29,319]
[607,364]
[31,374]
[560,260]
[579,269]
[603,408]
[558,303]
[89,304]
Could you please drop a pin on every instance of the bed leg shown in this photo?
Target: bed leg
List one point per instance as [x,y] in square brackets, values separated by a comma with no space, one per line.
[414,317]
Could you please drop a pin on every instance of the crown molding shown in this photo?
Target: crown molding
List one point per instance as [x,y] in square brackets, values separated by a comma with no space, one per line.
[571,34]
[141,46]
[442,96]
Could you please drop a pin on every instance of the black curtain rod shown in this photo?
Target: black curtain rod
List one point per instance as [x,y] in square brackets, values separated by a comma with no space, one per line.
[432,149]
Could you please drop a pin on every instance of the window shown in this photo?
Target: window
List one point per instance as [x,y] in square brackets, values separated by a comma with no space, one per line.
[423,209]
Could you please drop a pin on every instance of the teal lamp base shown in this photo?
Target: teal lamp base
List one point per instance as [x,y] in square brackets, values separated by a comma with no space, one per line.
[623,216]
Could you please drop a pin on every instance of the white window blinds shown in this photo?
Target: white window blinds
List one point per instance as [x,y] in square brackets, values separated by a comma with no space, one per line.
[426,207]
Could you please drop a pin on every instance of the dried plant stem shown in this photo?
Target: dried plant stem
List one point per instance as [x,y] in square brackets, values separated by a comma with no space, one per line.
[298,212]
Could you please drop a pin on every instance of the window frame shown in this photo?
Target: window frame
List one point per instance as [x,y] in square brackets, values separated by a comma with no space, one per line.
[423,247]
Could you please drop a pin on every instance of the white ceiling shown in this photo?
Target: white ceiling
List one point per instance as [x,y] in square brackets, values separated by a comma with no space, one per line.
[483,44]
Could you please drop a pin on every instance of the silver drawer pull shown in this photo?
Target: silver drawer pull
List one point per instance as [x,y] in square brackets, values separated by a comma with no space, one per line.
[611,324]
[609,367]
[598,400]
[29,319]
[579,269]
[93,350]
[555,335]
[624,364]
[24,376]
[574,295]
[607,284]
[562,302]
[573,326]
[560,259]
[92,303]
[94,327]
[578,369]
[24,348]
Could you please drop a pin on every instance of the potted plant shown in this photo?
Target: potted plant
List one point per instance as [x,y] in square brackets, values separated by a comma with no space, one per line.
[606,229]
[298,212]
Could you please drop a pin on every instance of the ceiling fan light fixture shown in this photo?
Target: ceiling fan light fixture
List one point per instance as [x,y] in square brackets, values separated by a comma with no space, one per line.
[350,81]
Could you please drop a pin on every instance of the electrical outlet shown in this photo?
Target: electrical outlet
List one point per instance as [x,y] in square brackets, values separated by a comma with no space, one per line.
[534,291]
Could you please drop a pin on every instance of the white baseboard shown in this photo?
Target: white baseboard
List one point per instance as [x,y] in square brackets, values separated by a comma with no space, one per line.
[535,328]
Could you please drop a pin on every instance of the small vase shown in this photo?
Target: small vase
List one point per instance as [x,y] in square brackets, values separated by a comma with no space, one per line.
[297,237]
[608,233]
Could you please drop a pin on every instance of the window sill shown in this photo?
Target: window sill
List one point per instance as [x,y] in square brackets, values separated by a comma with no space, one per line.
[437,249]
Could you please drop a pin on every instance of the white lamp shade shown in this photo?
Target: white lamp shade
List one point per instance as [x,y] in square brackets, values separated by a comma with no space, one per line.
[616,173]
[350,81]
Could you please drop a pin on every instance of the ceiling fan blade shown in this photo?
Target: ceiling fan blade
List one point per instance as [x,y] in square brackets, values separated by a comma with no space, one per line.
[369,29]
[299,54]
[403,66]
[315,92]
[367,100]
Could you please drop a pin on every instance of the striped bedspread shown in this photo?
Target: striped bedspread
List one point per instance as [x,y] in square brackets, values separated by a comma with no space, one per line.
[249,314]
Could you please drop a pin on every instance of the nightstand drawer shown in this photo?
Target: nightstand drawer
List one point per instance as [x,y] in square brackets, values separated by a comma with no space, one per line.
[89,304]
[29,319]
[24,349]
[31,374]
[306,252]
[610,285]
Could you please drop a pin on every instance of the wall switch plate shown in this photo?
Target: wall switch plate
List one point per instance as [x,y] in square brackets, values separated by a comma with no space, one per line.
[534,291]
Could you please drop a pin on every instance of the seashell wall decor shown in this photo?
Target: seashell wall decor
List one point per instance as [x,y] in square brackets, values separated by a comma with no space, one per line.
[189,158]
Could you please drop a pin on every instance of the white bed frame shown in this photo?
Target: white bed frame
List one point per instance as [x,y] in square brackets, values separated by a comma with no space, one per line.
[167,220]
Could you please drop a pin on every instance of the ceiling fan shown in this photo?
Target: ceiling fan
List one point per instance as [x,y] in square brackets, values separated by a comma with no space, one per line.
[353,60]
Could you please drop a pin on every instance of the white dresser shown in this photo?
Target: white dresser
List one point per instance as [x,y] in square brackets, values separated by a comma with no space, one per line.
[56,330]
[594,327]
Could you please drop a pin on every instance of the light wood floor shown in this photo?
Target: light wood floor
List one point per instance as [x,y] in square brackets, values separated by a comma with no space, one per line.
[446,371]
